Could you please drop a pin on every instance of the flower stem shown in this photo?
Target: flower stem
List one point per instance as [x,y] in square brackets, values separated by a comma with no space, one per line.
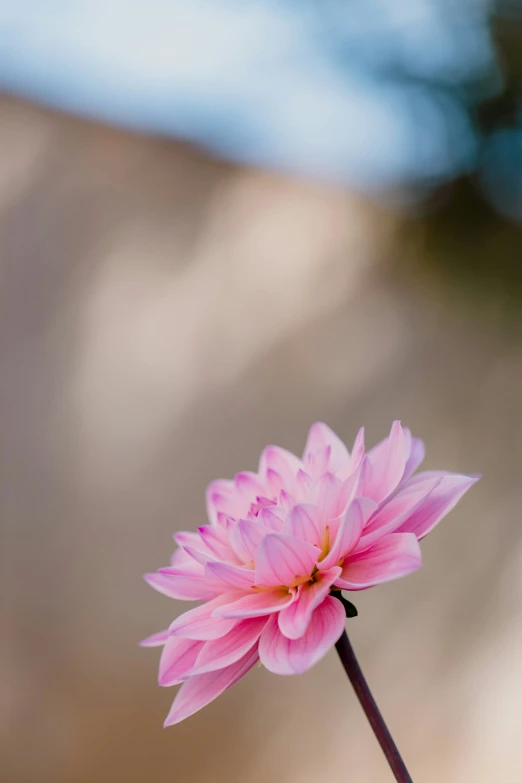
[367,702]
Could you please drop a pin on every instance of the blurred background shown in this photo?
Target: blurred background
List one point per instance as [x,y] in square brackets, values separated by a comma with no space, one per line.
[221,221]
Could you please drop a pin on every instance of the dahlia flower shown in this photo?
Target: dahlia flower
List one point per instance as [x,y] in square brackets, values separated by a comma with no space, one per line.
[279,547]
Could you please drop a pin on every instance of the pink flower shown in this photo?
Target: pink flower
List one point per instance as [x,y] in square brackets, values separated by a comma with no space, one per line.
[281,542]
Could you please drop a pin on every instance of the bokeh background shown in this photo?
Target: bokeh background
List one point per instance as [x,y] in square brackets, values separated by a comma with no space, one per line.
[219,222]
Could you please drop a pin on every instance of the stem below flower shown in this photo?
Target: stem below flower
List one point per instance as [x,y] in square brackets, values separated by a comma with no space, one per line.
[367,702]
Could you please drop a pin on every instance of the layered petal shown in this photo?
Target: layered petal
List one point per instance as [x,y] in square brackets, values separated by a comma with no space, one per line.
[384,465]
[391,557]
[177,660]
[349,531]
[184,588]
[228,649]
[284,560]
[229,576]
[200,623]
[321,441]
[201,689]
[272,517]
[295,618]
[216,541]
[156,640]
[324,493]
[357,451]
[438,503]
[283,462]
[257,604]
[416,455]
[304,522]
[246,537]
[394,512]
[222,497]
[282,655]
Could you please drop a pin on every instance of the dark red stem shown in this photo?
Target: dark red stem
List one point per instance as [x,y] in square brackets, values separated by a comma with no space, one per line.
[367,702]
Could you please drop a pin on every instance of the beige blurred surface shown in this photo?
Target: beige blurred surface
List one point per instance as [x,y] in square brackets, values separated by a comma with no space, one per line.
[163,317]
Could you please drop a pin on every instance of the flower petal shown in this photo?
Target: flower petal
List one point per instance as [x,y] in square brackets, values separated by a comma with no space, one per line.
[384,465]
[349,531]
[320,436]
[394,512]
[156,640]
[204,688]
[294,620]
[350,487]
[231,576]
[185,564]
[184,588]
[216,541]
[248,485]
[325,492]
[222,496]
[417,452]
[177,660]
[284,560]
[230,648]
[391,557]
[282,462]
[357,451]
[199,623]
[272,517]
[281,655]
[303,521]
[246,537]
[438,503]
[257,604]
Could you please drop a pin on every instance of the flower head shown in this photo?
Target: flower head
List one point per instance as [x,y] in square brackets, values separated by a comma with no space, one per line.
[280,544]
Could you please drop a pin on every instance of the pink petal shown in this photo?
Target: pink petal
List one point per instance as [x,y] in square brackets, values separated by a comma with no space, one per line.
[187,538]
[199,623]
[281,655]
[185,564]
[438,503]
[284,560]
[393,513]
[285,500]
[230,648]
[349,531]
[391,557]
[274,482]
[357,451]
[231,576]
[303,484]
[184,588]
[294,620]
[177,660]
[222,496]
[156,640]
[384,465]
[303,521]
[350,487]
[319,436]
[281,461]
[204,688]
[417,452]
[216,541]
[257,604]
[325,492]
[200,557]
[246,537]
[248,485]
[318,462]
[272,517]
